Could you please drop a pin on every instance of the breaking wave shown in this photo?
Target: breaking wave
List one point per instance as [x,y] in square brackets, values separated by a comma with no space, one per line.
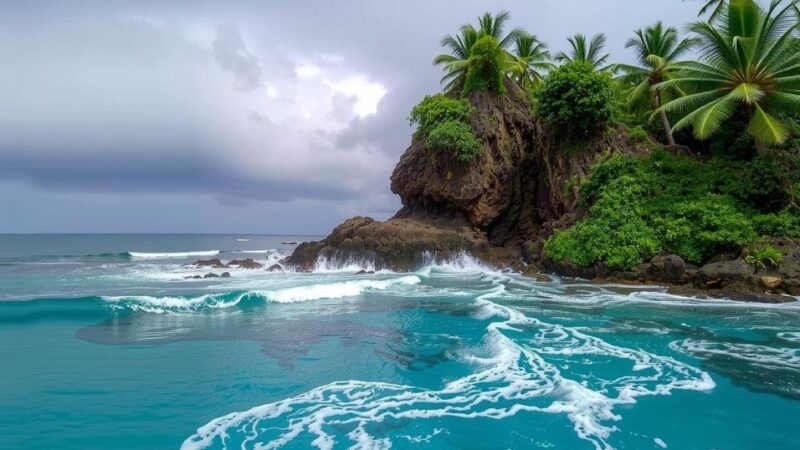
[168,304]
[514,373]
[170,255]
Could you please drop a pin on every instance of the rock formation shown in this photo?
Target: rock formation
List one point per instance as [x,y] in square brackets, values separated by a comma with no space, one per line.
[517,191]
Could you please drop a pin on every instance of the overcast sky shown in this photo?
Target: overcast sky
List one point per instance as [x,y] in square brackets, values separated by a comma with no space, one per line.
[236,116]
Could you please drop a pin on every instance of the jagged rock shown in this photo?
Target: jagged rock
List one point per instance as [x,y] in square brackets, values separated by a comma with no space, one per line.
[721,274]
[225,275]
[214,263]
[248,263]
[671,268]
[397,244]
[275,268]
[770,282]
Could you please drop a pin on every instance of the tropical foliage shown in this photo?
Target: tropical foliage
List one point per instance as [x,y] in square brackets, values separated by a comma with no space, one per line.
[658,50]
[590,51]
[486,67]
[530,59]
[444,124]
[456,63]
[576,98]
[750,64]
[665,203]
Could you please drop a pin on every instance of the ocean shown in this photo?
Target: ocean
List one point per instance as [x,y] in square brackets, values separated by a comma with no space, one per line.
[107,344]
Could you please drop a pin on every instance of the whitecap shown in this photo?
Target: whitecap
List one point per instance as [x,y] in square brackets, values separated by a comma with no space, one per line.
[170,255]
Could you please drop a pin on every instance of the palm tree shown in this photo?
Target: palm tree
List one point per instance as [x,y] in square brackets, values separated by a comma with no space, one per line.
[590,53]
[657,50]
[529,59]
[715,6]
[750,63]
[460,45]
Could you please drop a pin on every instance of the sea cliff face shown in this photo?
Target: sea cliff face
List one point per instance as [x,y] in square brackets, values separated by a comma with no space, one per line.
[520,188]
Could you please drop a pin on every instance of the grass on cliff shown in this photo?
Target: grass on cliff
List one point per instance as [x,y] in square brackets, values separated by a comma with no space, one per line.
[642,206]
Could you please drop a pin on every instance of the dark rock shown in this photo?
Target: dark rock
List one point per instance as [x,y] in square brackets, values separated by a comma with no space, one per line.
[669,268]
[193,277]
[724,273]
[248,263]
[290,243]
[214,263]
[542,278]
[225,275]
[210,275]
[365,272]
[275,268]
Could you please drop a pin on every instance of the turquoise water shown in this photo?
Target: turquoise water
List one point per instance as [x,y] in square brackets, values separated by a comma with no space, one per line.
[103,349]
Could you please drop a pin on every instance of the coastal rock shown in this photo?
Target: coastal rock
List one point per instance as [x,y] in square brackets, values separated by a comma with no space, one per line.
[365,272]
[225,275]
[398,244]
[275,268]
[211,275]
[724,273]
[213,263]
[248,263]
[670,268]
[770,282]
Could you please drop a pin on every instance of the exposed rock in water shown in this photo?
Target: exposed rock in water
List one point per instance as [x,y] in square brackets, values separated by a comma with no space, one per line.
[248,263]
[519,190]
[214,263]
[397,244]
[225,275]
[275,268]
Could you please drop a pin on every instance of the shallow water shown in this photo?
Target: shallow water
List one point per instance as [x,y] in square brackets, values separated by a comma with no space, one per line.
[107,349]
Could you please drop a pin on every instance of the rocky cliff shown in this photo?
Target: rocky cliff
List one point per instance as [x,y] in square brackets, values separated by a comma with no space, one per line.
[522,186]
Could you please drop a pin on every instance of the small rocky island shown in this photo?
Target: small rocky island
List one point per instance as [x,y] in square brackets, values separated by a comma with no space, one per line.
[550,175]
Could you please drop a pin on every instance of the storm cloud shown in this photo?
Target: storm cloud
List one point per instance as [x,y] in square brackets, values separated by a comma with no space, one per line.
[258,109]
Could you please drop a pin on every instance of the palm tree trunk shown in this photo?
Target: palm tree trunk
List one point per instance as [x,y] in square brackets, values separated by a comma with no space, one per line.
[664,120]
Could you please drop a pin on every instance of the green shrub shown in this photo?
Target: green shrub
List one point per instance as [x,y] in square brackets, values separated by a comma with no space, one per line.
[639,207]
[485,67]
[436,109]
[764,256]
[456,137]
[639,135]
[576,98]
[444,124]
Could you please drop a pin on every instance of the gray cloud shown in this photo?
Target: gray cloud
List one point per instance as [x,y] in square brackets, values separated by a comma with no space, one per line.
[232,54]
[148,103]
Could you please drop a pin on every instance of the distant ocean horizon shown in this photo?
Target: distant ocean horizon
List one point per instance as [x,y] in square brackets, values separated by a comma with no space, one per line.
[118,341]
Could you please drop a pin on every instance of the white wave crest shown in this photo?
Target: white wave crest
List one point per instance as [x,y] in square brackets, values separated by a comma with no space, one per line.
[172,304]
[170,255]
[334,290]
[514,377]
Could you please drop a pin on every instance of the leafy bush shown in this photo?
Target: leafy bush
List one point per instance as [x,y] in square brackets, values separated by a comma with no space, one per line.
[485,66]
[444,125]
[577,98]
[665,203]
[457,137]
[764,256]
[436,109]
[639,135]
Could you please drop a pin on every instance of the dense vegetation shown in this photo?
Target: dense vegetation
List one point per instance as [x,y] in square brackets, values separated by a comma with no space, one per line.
[444,125]
[642,206]
[576,97]
[737,178]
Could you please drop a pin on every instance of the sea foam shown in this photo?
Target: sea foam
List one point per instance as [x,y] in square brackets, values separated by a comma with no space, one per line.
[511,376]
[170,255]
